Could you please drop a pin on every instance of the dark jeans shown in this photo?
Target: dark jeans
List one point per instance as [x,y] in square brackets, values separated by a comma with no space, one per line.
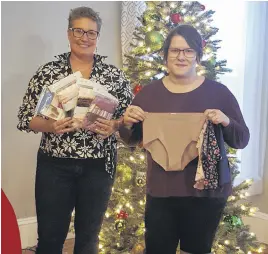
[192,221]
[62,185]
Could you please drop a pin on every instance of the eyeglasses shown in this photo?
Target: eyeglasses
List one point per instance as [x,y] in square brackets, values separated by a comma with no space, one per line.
[78,33]
[175,52]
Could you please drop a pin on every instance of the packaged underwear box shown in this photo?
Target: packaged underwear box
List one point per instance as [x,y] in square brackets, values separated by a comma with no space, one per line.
[66,90]
[103,106]
[49,106]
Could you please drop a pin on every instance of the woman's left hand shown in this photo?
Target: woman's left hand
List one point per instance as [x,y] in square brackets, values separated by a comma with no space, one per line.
[106,128]
[217,117]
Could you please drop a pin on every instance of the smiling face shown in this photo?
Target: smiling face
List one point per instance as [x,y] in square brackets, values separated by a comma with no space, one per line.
[181,59]
[83,46]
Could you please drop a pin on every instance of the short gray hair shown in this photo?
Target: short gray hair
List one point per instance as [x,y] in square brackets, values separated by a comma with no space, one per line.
[84,12]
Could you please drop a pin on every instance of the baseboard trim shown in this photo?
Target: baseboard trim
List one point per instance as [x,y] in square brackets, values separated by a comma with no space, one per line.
[28,232]
[28,229]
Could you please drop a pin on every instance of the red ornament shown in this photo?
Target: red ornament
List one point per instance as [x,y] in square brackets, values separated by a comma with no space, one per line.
[204,43]
[122,215]
[176,18]
[137,88]
[202,7]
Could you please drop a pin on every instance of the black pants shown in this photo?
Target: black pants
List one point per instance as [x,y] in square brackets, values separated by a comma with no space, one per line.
[190,221]
[65,184]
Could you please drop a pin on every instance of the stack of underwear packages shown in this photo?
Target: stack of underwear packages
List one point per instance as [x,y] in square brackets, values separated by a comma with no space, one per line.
[73,96]
[178,138]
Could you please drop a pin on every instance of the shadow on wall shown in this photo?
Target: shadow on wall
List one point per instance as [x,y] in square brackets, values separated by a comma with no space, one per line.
[19,149]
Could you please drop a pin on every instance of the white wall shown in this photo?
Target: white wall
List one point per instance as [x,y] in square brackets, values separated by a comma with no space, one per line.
[32,33]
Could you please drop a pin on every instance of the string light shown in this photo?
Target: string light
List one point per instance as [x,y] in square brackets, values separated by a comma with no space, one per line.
[197,24]
[167,18]
[227,242]
[126,191]
[148,50]
[141,202]
[127,205]
[243,207]
[242,196]
[252,234]
[172,5]
[100,246]
[249,252]
[183,11]
[148,73]
[193,18]
[218,67]
[131,158]
[260,250]
[149,29]
[142,157]
[107,215]
[141,43]
[248,181]
[246,194]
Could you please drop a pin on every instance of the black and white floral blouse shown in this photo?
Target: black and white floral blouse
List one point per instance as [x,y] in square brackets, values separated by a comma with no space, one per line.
[81,144]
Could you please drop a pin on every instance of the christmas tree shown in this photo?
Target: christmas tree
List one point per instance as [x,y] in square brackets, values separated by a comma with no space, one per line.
[123,227]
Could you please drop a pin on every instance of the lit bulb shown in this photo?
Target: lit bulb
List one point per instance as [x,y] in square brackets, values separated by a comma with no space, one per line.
[218,67]
[248,181]
[127,205]
[260,250]
[141,202]
[172,5]
[249,252]
[118,211]
[197,24]
[242,196]
[126,191]
[233,197]
[246,194]
[149,64]
[193,18]
[183,10]
[167,18]
[120,206]
[186,18]
[207,27]
[252,210]
[148,49]
[107,215]
[227,242]
[142,157]
[243,207]
[148,73]
[100,246]
[149,29]
[113,189]
[252,234]
[222,223]
[141,43]
[131,158]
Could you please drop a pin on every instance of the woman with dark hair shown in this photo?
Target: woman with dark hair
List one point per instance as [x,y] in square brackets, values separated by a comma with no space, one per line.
[75,168]
[179,209]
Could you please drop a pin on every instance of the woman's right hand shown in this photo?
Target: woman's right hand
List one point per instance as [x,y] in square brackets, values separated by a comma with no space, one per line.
[63,126]
[133,114]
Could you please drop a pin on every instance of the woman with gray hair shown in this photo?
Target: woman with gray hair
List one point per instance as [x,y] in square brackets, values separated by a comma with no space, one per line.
[75,168]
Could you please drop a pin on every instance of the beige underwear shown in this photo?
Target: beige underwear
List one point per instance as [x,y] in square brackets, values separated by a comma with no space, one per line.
[171,138]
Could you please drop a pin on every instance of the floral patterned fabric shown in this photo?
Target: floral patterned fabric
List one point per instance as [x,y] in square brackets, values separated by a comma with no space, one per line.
[81,144]
[207,175]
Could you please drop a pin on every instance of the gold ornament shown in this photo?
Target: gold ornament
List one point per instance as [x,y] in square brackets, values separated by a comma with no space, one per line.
[125,172]
[154,40]
[141,178]
[120,225]
[165,11]
[138,248]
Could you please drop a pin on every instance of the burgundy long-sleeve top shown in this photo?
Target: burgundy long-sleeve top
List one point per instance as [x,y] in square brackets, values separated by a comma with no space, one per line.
[155,97]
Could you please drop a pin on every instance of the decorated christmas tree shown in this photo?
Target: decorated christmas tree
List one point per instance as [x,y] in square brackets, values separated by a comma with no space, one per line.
[123,228]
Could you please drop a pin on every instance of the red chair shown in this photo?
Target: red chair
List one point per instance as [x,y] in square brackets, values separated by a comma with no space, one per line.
[10,234]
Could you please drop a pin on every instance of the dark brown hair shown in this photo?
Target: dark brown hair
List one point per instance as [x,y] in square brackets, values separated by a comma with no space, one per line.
[190,34]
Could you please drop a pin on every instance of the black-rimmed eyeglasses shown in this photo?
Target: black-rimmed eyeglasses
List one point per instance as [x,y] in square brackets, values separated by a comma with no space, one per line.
[78,33]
